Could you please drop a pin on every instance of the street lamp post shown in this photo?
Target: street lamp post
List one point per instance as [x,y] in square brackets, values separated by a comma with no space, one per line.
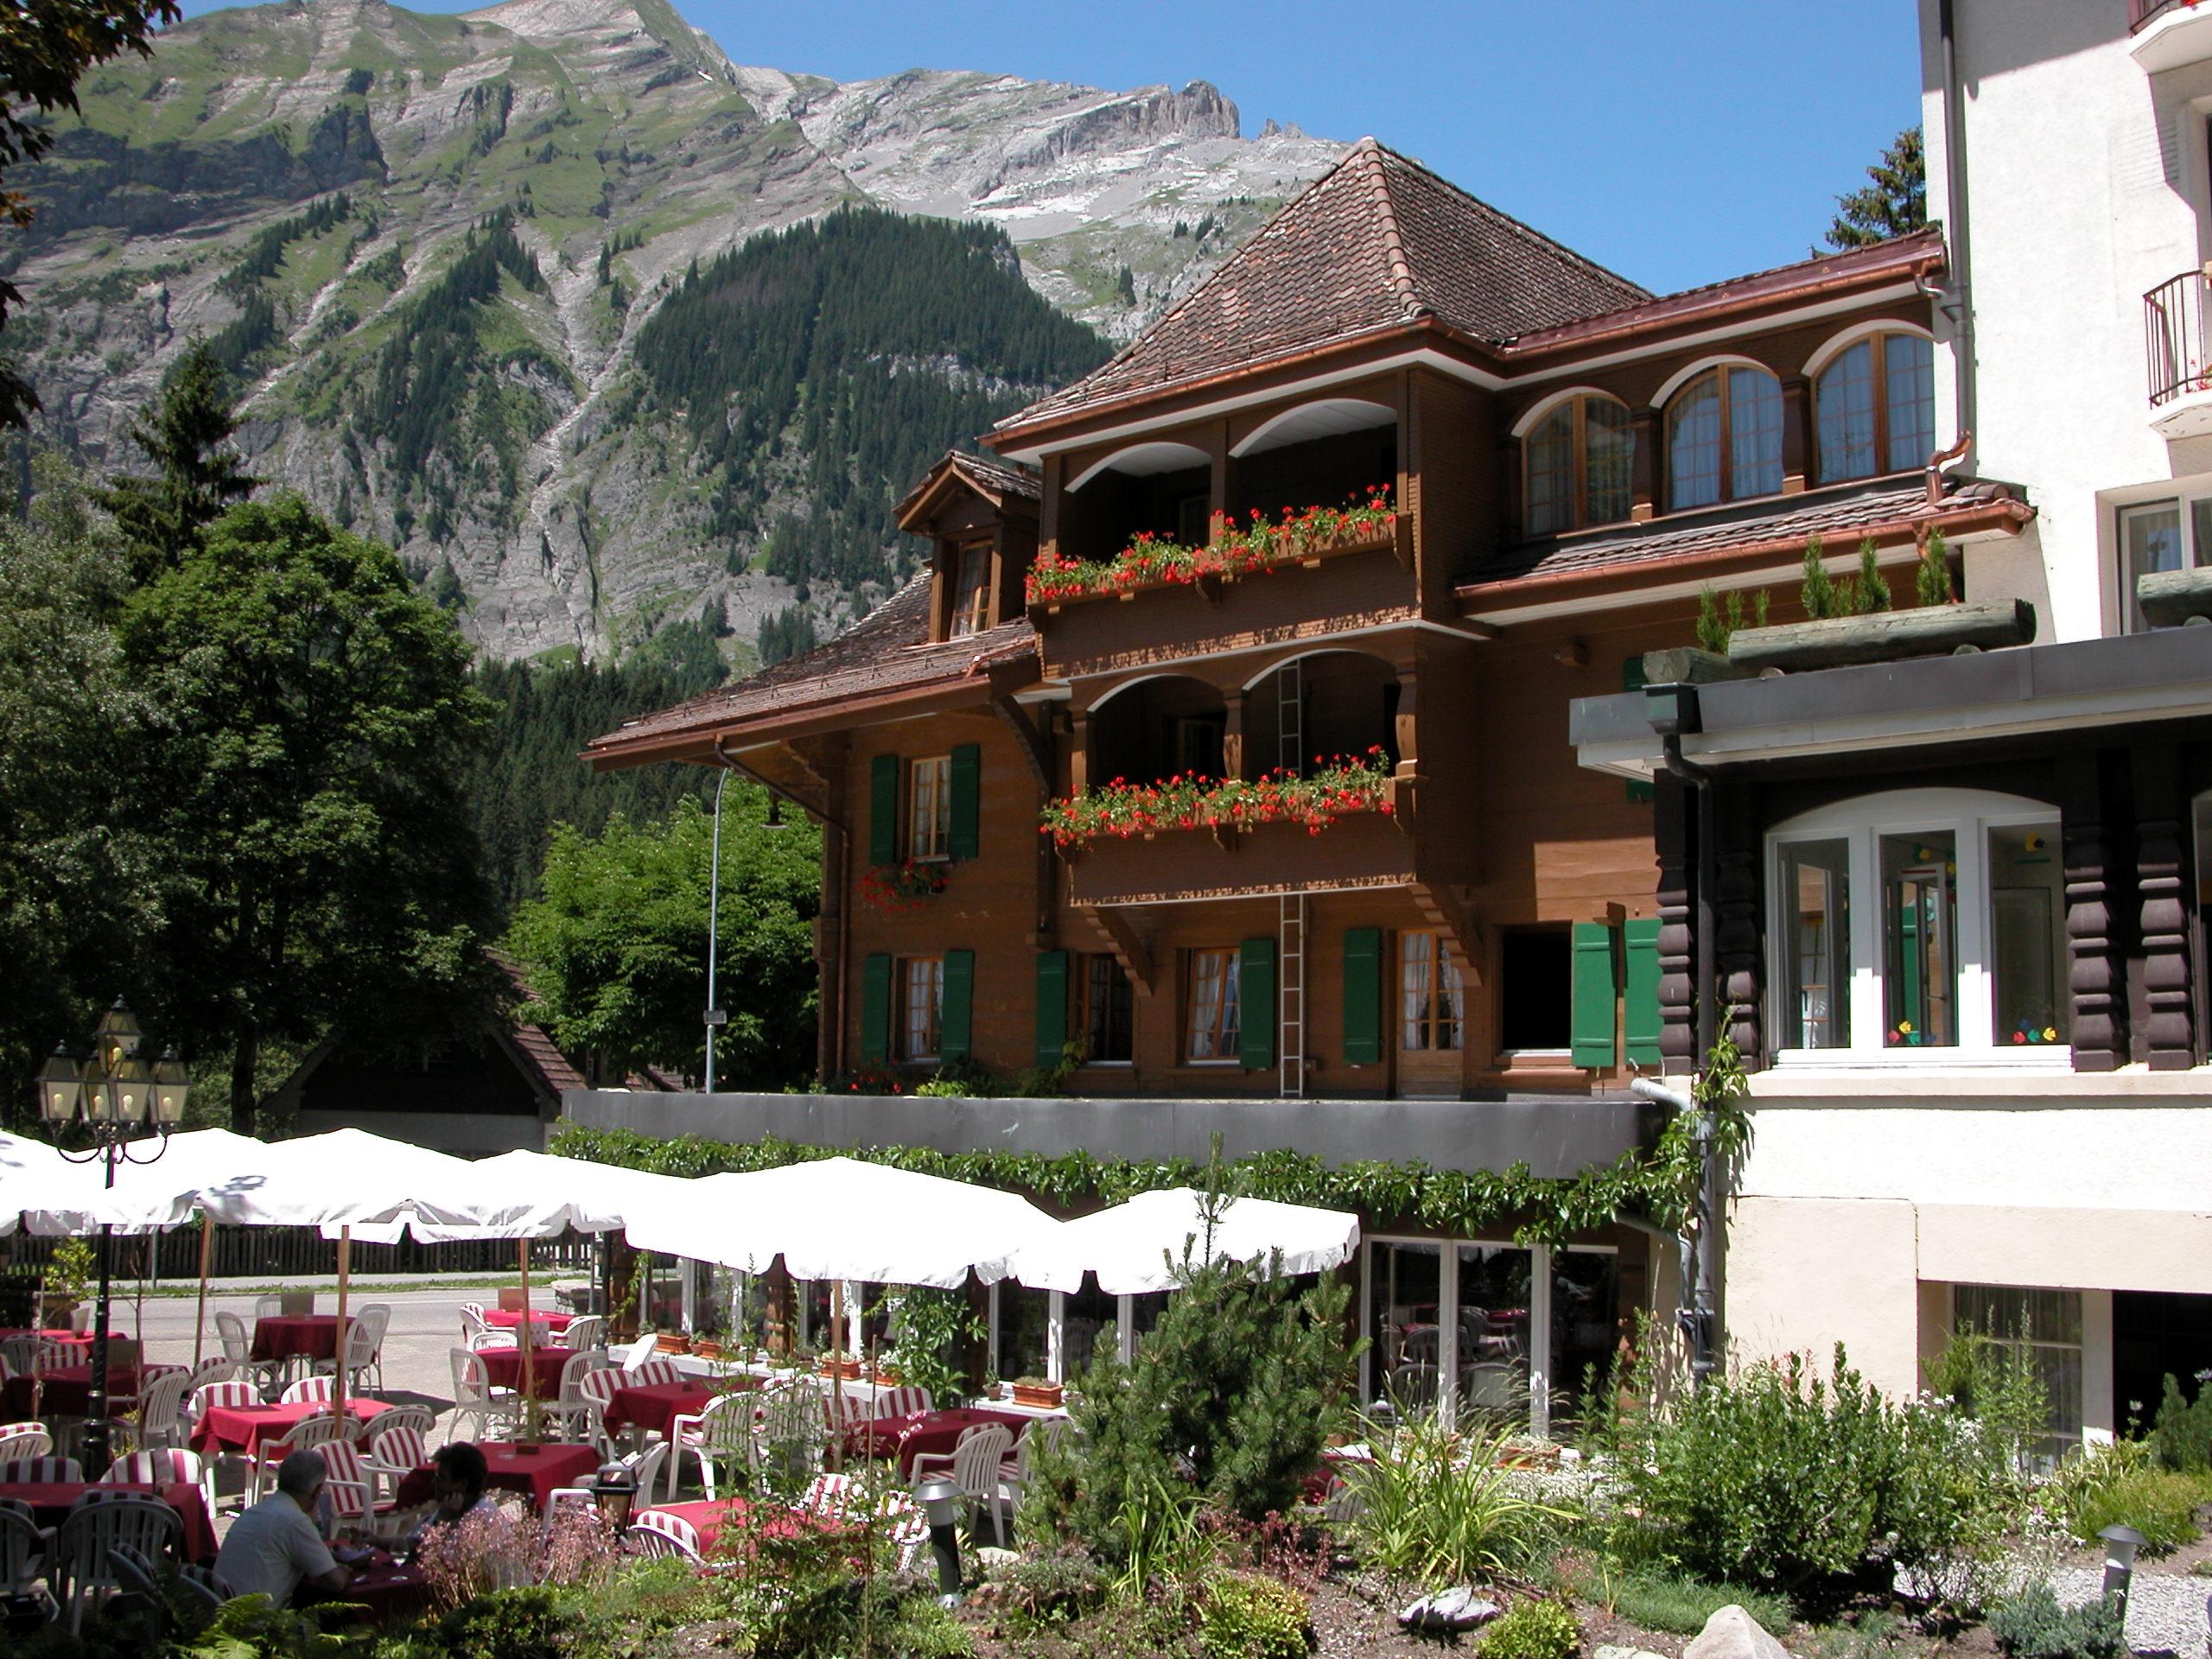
[113,1093]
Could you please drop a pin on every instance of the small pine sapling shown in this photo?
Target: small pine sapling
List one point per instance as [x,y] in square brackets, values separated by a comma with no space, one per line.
[1933,578]
[1719,618]
[1819,593]
[1873,591]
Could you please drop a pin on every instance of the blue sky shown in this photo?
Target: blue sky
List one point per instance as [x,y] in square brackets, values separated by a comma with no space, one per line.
[1676,141]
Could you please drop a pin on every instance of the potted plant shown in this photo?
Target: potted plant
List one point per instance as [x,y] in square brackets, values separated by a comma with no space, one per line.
[836,1362]
[1036,1391]
[67,1282]
[672,1342]
[706,1347]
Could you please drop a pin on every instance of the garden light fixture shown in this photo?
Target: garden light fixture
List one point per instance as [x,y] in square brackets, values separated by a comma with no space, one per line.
[2121,1545]
[939,1496]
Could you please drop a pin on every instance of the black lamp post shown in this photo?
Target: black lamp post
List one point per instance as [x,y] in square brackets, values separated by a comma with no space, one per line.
[113,1094]
[614,1492]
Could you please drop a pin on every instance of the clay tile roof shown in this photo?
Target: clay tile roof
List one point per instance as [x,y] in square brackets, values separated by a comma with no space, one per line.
[886,651]
[552,1066]
[1378,241]
[996,478]
[1836,515]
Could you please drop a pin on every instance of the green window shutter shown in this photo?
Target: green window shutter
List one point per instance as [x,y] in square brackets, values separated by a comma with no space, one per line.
[1256,1003]
[883,809]
[1363,995]
[875,1010]
[1591,1022]
[1632,680]
[1052,1006]
[967,769]
[953,1024]
[1640,1001]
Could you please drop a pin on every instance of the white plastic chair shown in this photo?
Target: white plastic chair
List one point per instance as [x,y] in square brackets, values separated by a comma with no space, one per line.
[376,1320]
[24,1440]
[585,1330]
[319,1389]
[267,1307]
[216,1367]
[472,1324]
[352,1488]
[570,1409]
[904,1401]
[161,1410]
[654,1533]
[168,1467]
[638,1352]
[720,1433]
[39,1471]
[473,1395]
[595,1389]
[317,1431]
[99,1523]
[394,1452]
[237,1348]
[973,1464]
[22,1548]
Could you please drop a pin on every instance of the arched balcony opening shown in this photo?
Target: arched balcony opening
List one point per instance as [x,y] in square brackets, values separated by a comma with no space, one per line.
[1158,728]
[1313,710]
[1165,490]
[1321,454]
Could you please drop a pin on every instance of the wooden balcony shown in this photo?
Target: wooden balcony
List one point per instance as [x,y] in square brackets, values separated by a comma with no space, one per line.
[1360,850]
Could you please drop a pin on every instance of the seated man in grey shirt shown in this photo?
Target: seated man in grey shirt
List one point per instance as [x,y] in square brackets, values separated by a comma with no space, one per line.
[276,1544]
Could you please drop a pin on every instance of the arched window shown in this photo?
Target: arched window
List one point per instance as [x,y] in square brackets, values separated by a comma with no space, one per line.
[1876,407]
[1579,459]
[1723,438]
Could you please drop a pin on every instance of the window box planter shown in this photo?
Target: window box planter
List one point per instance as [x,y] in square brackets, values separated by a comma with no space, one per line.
[1884,636]
[671,1342]
[1121,811]
[2172,599]
[706,1348]
[843,1370]
[1231,552]
[903,884]
[1039,1395]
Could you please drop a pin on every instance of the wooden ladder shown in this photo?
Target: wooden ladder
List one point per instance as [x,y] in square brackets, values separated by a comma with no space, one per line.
[1290,907]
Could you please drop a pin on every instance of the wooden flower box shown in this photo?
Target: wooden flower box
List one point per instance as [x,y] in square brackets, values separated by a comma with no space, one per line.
[706,1348]
[843,1371]
[1042,1396]
[671,1342]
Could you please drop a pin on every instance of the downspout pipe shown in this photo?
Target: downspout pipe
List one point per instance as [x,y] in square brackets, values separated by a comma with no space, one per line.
[1957,217]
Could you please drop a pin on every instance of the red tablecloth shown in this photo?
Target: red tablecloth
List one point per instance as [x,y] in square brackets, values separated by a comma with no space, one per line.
[932,1432]
[506,1319]
[307,1336]
[504,1367]
[67,1391]
[654,1405]
[532,1470]
[388,1590]
[242,1428]
[710,1517]
[51,1502]
[81,1342]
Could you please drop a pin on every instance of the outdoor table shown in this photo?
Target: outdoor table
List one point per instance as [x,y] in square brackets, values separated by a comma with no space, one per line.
[81,1341]
[653,1406]
[51,1502]
[295,1336]
[504,1367]
[242,1428]
[926,1433]
[389,1590]
[67,1391]
[534,1471]
[711,1516]
[506,1319]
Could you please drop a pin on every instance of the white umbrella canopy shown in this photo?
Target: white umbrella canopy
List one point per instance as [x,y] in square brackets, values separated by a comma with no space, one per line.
[843,1218]
[30,1172]
[1138,1246]
[601,1198]
[148,1196]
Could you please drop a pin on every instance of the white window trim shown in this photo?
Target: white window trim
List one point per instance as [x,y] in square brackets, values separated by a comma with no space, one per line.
[1861,823]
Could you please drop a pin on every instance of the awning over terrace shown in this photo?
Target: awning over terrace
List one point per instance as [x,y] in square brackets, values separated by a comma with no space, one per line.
[1141,1246]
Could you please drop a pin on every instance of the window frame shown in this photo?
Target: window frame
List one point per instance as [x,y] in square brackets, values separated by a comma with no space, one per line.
[1862,822]
[937,847]
[1578,515]
[1563,933]
[1081,993]
[1724,374]
[1231,958]
[2196,545]
[968,610]
[1441,967]
[906,1050]
[1877,343]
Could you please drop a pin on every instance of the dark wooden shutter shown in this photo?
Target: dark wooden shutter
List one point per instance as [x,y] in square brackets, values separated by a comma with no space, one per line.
[1256,1003]
[875,1010]
[1052,1006]
[883,809]
[1632,680]
[1592,1020]
[1640,997]
[967,770]
[1363,995]
[954,1024]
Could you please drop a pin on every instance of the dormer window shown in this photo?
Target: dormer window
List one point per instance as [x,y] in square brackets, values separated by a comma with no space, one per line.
[971,591]
[1579,460]
[1723,438]
[1876,407]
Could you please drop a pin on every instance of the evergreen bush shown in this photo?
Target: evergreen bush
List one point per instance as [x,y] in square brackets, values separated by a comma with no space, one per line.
[1251,1616]
[2159,1503]
[1533,1630]
[2182,1432]
[1818,592]
[2032,1625]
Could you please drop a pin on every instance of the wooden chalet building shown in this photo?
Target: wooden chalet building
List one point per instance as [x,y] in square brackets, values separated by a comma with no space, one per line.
[1525,468]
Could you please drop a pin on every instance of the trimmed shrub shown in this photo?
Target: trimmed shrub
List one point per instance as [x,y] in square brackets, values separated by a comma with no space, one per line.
[1252,1615]
[2032,1625]
[2158,1503]
[2183,1429]
[1534,1629]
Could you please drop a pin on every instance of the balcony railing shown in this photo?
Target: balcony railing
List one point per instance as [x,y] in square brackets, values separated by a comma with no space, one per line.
[2140,12]
[2173,338]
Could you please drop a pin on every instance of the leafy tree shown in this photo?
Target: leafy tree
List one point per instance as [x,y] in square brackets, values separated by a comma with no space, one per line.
[616,949]
[44,46]
[197,475]
[299,774]
[74,890]
[1893,202]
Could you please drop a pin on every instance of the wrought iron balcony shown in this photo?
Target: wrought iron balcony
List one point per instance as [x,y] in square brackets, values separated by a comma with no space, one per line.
[2173,346]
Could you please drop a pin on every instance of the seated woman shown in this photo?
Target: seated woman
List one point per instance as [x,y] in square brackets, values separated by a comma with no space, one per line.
[458,1474]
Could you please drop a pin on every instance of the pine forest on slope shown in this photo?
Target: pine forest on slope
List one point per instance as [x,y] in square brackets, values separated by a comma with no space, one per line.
[486,286]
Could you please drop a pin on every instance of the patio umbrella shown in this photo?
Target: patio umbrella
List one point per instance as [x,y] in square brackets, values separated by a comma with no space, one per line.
[1138,1246]
[839,1218]
[31,1171]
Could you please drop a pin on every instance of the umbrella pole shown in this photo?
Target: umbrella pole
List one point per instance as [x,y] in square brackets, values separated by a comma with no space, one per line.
[200,1313]
[529,1380]
[345,1266]
[836,1370]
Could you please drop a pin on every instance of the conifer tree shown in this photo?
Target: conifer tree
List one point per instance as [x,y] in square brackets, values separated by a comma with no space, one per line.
[1932,580]
[197,477]
[1892,203]
[1871,593]
[1818,592]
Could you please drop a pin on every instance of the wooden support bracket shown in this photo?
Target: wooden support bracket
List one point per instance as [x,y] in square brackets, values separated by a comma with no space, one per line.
[1121,939]
[1457,922]
[1036,745]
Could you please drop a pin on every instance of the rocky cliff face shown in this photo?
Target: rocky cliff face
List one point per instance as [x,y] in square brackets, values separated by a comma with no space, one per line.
[427,244]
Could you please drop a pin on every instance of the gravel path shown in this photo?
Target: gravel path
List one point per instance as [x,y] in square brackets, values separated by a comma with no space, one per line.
[2165,1611]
